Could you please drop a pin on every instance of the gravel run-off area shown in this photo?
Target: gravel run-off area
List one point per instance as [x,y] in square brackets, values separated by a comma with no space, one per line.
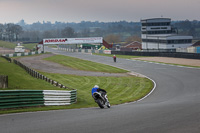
[37,63]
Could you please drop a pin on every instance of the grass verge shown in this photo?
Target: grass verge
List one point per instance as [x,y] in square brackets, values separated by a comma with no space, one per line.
[19,79]
[13,45]
[120,89]
[7,44]
[30,46]
[85,65]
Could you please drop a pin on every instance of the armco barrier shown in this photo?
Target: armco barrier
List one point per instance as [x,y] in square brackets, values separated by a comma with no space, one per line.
[28,98]
[7,58]
[22,54]
[52,97]
[36,74]
[14,98]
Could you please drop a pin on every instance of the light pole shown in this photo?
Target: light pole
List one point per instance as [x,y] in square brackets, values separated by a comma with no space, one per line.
[146,42]
[158,43]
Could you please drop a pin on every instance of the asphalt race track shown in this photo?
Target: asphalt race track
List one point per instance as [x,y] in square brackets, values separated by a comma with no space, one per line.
[173,107]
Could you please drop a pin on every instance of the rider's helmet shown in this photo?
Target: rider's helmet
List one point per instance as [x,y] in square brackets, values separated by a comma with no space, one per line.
[96,86]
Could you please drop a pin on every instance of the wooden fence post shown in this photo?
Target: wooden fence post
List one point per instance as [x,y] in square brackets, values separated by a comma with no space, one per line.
[3,81]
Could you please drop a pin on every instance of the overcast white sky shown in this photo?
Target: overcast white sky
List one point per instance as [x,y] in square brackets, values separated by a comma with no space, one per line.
[96,10]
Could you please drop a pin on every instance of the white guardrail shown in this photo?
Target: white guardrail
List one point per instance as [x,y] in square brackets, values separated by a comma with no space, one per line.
[22,54]
[56,97]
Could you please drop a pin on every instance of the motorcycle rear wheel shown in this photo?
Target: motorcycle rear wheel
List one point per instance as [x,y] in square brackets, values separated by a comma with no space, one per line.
[100,103]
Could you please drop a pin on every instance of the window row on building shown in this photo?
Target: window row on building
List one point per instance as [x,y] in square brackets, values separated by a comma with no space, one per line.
[158,32]
[156,24]
[181,41]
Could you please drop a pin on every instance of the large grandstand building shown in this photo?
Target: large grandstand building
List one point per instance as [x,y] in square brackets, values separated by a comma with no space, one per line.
[159,34]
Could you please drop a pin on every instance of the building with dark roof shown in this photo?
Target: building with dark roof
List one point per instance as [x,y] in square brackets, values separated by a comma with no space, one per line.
[158,33]
[196,44]
[135,45]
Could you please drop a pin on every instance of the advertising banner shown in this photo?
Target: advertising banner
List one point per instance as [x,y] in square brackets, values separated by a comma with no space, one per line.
[72,40]
[107,51]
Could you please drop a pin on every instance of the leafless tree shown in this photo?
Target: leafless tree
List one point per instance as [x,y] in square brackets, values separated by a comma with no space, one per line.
[112,38]
[68,32]
[133,38]
[1,31]
[17,31]
[12,31]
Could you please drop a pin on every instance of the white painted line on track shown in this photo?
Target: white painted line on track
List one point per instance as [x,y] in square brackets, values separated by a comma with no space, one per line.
[150,91]
[167,64]
[145,77]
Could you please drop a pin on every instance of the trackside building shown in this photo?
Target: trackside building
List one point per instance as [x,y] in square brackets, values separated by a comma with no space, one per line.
[159,34]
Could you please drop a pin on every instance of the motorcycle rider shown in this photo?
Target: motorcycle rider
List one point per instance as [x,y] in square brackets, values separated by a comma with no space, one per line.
[103,92]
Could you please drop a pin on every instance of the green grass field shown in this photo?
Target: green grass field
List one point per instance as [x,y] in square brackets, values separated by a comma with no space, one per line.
[30,46]
[120,89]
[85,65]
[7,44]
[12,45]
[19,79]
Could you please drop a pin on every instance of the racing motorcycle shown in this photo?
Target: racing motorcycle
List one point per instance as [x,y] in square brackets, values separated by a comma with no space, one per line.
[101,99]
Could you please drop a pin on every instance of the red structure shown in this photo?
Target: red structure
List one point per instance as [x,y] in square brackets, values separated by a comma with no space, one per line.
[107,45]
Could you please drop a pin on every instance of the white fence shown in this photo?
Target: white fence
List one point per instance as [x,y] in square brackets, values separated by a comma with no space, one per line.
[53,97]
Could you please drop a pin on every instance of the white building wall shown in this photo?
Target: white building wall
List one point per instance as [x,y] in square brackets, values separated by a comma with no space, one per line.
[173,46]
[150,45]
[167,27]
[191,49]
[181,50]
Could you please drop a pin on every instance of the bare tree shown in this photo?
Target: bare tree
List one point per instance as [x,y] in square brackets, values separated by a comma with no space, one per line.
[9,32]
[1,31]
[31,36]
[47,34]
[85,33]
[112,38]
[133,38]
[68,32]
[13,31]
[17,31]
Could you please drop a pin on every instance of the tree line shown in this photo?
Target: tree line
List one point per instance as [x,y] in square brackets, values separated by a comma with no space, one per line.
[10,32]
[113,32]
[120,30]
[191,28]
